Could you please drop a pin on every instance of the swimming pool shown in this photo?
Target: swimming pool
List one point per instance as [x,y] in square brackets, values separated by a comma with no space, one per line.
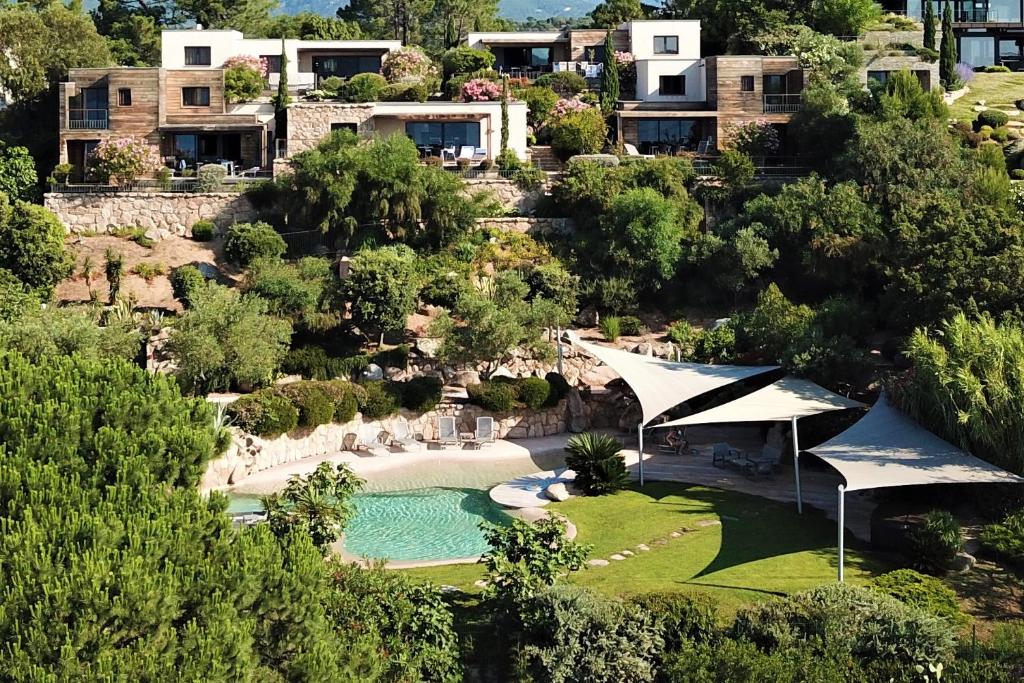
[415,525]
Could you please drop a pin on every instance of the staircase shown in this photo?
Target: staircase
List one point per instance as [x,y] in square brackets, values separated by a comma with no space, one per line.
[543,158]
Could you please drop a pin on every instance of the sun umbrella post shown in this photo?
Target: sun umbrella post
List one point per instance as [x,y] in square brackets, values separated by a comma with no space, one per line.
[640,449]
[842,523]
[796,467]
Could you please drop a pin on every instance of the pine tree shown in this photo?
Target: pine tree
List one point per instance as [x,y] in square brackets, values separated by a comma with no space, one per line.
[929,24]
[947,50]
[504,115]
[609,77]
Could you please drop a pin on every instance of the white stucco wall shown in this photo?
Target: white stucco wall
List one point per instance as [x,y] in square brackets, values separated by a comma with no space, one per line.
[642,33]
[490,126]
[649,71]
[480,39]
[226,43]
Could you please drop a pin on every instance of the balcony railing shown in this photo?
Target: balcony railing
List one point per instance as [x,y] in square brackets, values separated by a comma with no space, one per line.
[976,15]
[783,104]
[88,119]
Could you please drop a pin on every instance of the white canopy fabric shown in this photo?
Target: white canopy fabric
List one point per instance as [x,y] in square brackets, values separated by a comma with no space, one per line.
[661,384]
[778,402]
[887,448]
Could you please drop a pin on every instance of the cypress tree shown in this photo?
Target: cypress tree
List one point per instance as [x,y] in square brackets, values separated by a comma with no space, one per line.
[947,50]
[282,100]
[504,115]
[609,77]
[929,24]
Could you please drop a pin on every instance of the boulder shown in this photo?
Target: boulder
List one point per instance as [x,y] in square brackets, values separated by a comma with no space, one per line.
[463,378]
[428,346]
[373,372]
[557,492]
[502,371]
[963,563]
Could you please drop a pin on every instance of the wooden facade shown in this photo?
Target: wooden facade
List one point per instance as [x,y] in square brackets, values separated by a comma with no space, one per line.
[148,103]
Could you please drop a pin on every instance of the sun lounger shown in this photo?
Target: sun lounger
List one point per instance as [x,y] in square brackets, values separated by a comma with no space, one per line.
[447,432]
[484,433]
[404,438]
[368,439]
[764,464]
[632,151]
[724,455]
[479,154]
[466,152]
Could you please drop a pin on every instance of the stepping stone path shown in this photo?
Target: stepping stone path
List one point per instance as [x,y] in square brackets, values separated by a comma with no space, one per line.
[709,522]
[616,557]
[597,563]
[626,553]
[643,547]
[675,534]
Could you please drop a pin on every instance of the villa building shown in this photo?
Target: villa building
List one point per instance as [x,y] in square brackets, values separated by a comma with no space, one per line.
[988,32]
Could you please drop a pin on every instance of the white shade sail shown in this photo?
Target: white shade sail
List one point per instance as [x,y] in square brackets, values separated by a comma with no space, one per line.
[778,402]
[661,384]
[887,448]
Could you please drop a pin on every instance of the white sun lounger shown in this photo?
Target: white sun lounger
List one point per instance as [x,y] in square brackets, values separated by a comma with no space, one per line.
[368,439]
[405,438]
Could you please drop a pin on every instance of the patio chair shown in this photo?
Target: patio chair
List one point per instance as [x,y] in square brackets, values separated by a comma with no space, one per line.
[368,439]
[724,455]
[404,438]
[484,433]
[447,432]
[479,154]
[448,154]
[466,152]
[632,151]
[764,464]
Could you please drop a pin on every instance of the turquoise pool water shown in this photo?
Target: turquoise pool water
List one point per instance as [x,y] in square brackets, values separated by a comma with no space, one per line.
[420,524]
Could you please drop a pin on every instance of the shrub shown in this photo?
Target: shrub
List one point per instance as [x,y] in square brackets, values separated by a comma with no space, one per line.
[923,592]
[539,103]
[1001,134]
[148,271]
[203,230]
[332,86]
[611,327]
[631,326]
[406,64]
[242,84]
[209,177]
[993,118]
[841,618]
[927,54]
[529,177]
[480,90]
[683,335]
[533,391]
[346,397]
[135,234]
[573,634]
[565,83]
[314,405]
[422,393]
[681,617]
[1006,539]
[246,242]
[498,397]
[1017,174]
[264,413]
[404,92]
[581,132]
[598,463]
[996,69]
[381,400]
[464,60]
[363,88]
[935,543]
[122,160]
[508,160]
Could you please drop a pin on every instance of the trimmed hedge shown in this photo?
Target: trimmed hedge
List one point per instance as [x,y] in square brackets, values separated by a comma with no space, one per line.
[533,392]
[504,394]
[381,400]
[313,403]
[421,394]
[203,230]
[264,413]
[498,397]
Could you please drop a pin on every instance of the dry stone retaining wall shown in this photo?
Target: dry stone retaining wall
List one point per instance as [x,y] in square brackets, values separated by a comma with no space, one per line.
[161,214]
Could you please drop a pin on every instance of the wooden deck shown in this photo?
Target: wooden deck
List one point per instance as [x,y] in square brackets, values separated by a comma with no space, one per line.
[819,484]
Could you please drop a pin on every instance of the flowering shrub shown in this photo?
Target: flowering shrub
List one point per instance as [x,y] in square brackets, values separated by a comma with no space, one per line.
[964,72]
[122,160]
[257,64]
[406,64]
[480,90]
[564,106]
[624,58]
[756,138]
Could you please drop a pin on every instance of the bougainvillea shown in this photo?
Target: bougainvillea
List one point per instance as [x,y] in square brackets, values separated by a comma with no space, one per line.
[623,58]
[564,106]
[480,90]
[257,64]
[755,138]
[122,160]
[406,64]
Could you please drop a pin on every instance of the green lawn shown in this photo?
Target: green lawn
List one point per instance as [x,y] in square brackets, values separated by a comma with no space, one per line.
[997,90]
[761,548]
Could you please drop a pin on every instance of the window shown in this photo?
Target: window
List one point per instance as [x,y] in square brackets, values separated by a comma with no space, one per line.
[197,56]
[666,45]
[435,134]
[124,97]
[880,77]
[344,126]
[747,83]
[774,85]
[672,85]
[345,66]
[682,132]
[273,63]
[195,97]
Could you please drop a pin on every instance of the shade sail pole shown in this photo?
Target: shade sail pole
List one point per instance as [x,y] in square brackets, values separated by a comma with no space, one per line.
[796,468]
[842,522]
[640,438]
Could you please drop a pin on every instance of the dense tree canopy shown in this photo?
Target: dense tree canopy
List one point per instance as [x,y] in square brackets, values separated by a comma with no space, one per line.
[32,245]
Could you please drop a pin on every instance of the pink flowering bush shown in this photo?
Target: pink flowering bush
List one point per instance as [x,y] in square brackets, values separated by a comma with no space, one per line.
[624,58]
[480,90]
[257,64]
[122,160]
[755,138]
[564,106]
[406,64]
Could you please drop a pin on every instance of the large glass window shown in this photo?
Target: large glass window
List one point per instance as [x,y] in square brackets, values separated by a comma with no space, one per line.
[273,63]
[186,147]
[978,51]
[540,56]
[774,85]
[195,97]
[345,66]
[1003,10]
[666,45]
[445,134]
[197,56]
[91,104]
[668,131]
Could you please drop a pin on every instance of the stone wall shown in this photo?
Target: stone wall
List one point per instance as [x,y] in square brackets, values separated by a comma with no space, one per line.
[310,122]
[249,454]
[508,193]
[531,226]
[161,213]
